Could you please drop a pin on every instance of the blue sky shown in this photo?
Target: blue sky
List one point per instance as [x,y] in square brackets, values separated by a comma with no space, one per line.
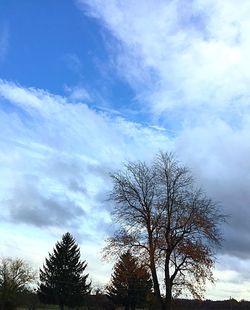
[86,85]
[59,49]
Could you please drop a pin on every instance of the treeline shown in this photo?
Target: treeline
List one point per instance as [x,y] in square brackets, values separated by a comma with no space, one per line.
[63,281]
[231,304]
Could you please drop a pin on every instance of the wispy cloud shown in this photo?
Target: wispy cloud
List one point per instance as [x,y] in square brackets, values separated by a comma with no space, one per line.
[55,146]
[78,93]
[4,42]
[73,62]
[56,157]
[188,64]
[187,58]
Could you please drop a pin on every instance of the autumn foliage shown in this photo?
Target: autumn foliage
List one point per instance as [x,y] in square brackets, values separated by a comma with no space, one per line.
[168,223]
[130,284]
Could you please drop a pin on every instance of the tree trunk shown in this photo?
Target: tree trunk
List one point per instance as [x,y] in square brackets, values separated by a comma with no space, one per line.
[168,284]
[169,298]
[132,306]
[168,304]
[61,306]
[156,284]
[157,291]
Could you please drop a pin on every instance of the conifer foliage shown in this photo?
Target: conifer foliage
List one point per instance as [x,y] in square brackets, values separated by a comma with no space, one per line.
[62,281]
[130,283]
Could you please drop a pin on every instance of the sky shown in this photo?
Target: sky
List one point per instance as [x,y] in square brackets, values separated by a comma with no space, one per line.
[86,85]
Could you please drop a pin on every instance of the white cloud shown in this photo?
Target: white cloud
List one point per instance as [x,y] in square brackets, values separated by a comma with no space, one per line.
[192,57]
[78,93]
[73,63]
[188,63]
[185,62]
[55,162]
[191,62]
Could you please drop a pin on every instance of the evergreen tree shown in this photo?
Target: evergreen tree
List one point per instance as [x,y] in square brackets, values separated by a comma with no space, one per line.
[130,283]
[62,280]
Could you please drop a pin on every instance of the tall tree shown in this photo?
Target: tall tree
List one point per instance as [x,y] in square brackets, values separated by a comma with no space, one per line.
[130,283]
[15,278]
[62,280]
[168,222]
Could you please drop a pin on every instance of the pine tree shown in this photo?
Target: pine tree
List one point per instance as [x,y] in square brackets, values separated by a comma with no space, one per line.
[130,283]
[62,280]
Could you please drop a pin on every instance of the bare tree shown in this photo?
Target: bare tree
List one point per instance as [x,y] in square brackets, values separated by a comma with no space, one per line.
[168,223]
[15,277]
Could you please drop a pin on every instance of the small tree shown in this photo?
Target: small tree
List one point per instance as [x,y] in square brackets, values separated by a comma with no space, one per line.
[168,223]
[62,280]
[130,284]
[15,278]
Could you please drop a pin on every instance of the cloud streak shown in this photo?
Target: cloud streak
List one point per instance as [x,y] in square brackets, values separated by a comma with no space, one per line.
[188,65]
[59,155]
[188,59]
[56,157]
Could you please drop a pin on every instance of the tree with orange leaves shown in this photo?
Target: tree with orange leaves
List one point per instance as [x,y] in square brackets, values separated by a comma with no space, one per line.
[130,283]
[166,222]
